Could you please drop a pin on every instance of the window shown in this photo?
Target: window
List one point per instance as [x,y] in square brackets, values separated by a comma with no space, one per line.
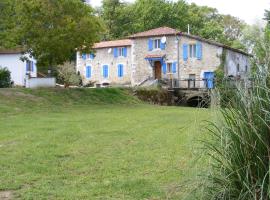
[88,72]
[238,68]
[157,43]
[169,67]
[120,70]
[192,50]
[29,66]
[105,71]
[121,51]
[246,68]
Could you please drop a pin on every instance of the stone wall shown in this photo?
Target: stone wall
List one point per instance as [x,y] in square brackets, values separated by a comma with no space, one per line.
[142,69]
[234,60]
[102,57]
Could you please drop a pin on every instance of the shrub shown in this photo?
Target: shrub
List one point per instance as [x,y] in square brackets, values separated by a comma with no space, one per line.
[67,74]
[239,145]
[154,96]
[5,78]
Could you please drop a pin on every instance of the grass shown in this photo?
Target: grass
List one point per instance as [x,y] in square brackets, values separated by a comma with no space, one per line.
[95,144]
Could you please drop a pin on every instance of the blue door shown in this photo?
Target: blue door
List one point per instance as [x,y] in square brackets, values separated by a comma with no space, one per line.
[209,79]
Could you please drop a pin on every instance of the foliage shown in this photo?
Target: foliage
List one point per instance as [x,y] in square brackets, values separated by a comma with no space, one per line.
[240,144]
[51,30]
[67,74]
[154,96]
[5,78]
[123,19]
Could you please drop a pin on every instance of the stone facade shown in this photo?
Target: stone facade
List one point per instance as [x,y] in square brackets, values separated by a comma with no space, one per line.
[105,57]
[138,69]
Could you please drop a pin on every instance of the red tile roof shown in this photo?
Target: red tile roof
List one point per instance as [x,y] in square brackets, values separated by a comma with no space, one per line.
[156,32]
[114,43]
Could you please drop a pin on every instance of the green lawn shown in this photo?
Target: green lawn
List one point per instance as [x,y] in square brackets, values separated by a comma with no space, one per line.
[96,144]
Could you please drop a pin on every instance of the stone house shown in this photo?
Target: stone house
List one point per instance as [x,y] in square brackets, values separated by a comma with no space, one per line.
[161,54]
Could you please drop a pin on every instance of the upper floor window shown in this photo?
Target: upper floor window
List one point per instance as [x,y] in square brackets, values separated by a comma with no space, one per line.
[29,66]
[121,51]
[192,50]
[157,43]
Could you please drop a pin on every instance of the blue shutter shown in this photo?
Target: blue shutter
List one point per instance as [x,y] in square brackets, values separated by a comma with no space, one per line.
[199,50]
[162,45]
[164,68]
[115,52]
[120,70]
[174,70]
[150,44]
[125,51]
[105,71]
[92,56]
[88,72]
[185,52]
[84,56]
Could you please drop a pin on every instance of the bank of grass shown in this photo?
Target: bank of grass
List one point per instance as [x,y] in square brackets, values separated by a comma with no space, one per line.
[96,144]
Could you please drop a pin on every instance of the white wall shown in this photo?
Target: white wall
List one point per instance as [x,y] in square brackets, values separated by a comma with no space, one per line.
[40,82]
[16,67]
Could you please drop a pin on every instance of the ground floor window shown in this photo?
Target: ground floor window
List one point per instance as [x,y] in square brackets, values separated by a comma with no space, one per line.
[105,71]
[88,72]
[120,70]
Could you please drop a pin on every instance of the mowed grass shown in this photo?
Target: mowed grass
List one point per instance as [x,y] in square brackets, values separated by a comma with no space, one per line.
[96,144]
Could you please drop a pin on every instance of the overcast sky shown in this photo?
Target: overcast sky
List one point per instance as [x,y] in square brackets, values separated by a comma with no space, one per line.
[248,10]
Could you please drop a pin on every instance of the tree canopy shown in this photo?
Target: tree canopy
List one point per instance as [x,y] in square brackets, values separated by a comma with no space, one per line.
[50,30]
[122,19]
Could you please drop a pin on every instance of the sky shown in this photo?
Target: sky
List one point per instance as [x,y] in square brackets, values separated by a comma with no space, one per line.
[249,10]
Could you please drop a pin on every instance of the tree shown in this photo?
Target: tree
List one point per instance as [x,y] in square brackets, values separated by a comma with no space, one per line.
[51,30]
[5,78]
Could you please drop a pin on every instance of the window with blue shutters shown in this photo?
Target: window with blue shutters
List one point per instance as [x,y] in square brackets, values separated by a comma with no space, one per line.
[185,52]
[163,45]
[29,66]
[105,71]
[92,56]
[120,70]
[199,50]
[84,56]
[88,72]
[164,68]
[125,51]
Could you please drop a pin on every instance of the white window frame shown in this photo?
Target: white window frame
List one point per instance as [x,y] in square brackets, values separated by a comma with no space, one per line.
[169,67]
[121,51]
[192,48]
[156,43]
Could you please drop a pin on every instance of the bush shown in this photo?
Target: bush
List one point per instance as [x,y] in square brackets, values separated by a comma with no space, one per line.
[67,75]
[154,96]
[5,78]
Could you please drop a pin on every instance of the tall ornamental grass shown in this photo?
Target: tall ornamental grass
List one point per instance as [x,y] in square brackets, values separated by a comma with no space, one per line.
[239,144]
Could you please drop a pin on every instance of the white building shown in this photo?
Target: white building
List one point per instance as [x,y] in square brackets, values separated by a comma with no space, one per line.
[23,73]
[11,59]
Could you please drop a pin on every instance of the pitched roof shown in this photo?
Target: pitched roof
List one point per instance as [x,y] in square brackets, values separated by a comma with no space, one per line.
[114,43]
[155,32]
[18,50]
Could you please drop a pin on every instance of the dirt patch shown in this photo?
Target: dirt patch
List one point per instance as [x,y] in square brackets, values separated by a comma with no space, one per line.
[6,195]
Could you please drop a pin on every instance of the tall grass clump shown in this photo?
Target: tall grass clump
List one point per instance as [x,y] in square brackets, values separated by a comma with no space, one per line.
[239,144]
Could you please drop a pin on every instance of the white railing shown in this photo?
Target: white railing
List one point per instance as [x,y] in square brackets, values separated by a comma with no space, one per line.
[40,82]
